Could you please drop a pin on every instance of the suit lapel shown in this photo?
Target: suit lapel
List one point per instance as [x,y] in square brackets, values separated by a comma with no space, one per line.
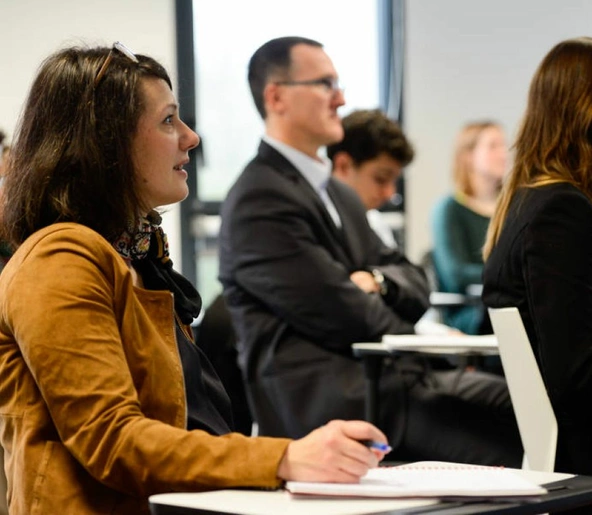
[339,245]
[349,225]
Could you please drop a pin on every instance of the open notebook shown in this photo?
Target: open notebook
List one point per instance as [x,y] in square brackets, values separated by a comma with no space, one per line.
[427,479]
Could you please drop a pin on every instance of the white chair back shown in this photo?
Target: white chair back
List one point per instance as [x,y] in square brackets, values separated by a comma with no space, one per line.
[534,413]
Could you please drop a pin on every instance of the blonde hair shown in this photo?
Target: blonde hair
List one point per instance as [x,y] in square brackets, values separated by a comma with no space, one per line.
[554,144]
[466,141]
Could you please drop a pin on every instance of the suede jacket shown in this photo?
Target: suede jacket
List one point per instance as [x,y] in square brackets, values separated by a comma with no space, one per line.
[92,401]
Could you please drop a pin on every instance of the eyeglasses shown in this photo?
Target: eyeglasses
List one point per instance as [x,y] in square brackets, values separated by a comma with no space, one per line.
[116,46]
[329,84]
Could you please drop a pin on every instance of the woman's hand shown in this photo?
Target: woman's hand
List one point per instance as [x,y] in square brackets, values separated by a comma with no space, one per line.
[332,453]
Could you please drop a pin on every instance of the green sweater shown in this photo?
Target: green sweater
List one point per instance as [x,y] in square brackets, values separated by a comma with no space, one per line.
[459,235]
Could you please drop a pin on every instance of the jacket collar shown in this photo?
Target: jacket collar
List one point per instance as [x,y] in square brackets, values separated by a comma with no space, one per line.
[284,166]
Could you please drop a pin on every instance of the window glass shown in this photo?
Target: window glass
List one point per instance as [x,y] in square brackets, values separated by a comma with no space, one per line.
[226,35]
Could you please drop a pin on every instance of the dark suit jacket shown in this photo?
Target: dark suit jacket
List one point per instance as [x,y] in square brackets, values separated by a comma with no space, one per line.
[285,269]
[542,264]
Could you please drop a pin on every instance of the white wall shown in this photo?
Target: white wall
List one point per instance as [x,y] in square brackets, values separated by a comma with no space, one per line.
[32,29]
[466,60]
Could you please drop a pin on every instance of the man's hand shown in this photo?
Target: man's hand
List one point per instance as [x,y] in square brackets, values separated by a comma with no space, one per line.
[365,281]
[332,453]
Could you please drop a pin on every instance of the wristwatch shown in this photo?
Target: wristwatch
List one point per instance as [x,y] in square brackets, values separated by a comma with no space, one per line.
[380,281]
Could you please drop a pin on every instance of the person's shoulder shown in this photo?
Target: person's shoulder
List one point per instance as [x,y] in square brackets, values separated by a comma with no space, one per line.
[267,166]
[268,175]
[447,200]
[67,236]
[561,190]
[553,196]
[67,230]
[267,157]
[446,203]
[258,172]
[61,246]
[444,208]
[560,203]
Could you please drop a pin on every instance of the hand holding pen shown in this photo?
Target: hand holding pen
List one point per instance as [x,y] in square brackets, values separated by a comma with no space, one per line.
[372,444]
[332,453]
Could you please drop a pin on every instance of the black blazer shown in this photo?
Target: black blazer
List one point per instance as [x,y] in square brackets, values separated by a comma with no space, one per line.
[542,264]
[285,269]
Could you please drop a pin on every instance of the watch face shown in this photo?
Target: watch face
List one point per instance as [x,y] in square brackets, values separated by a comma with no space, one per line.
[380,281]
[378,277]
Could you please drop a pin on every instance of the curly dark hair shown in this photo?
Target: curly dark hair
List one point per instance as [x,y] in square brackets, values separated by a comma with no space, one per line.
[369,133]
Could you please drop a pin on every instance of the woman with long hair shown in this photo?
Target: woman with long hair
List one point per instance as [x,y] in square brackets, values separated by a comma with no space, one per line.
[539,245]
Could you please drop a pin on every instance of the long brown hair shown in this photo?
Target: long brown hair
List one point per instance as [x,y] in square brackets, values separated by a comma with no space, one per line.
[71,159]
[554,143]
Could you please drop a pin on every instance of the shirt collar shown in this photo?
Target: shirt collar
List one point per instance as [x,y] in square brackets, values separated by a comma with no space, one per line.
[317,173]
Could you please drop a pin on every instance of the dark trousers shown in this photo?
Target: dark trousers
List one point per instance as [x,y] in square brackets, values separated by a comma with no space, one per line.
[460,416]
[427,409]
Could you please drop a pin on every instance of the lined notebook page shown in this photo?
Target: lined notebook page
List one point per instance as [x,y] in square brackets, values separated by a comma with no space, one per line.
[427,479]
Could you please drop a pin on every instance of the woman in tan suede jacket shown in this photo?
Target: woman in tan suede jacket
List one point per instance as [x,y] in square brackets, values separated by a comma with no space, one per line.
[105,398]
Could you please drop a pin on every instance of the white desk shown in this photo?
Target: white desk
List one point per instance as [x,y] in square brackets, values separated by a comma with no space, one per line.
[472,296]
[441,299]
[438,344]
[251,502]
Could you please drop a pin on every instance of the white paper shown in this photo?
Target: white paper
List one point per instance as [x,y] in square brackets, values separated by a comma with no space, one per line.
[428,479]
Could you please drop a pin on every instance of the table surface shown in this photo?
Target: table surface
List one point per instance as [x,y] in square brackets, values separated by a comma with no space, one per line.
[257,502]
[436,344]
[441,299]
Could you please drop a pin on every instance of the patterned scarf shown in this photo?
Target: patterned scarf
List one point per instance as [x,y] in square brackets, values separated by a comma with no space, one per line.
[135,243]
[147,248]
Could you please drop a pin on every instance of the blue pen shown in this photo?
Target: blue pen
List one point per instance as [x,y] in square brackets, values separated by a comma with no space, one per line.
[383,447]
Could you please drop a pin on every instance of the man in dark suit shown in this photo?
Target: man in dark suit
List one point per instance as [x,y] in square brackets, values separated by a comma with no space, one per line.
[304,277]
